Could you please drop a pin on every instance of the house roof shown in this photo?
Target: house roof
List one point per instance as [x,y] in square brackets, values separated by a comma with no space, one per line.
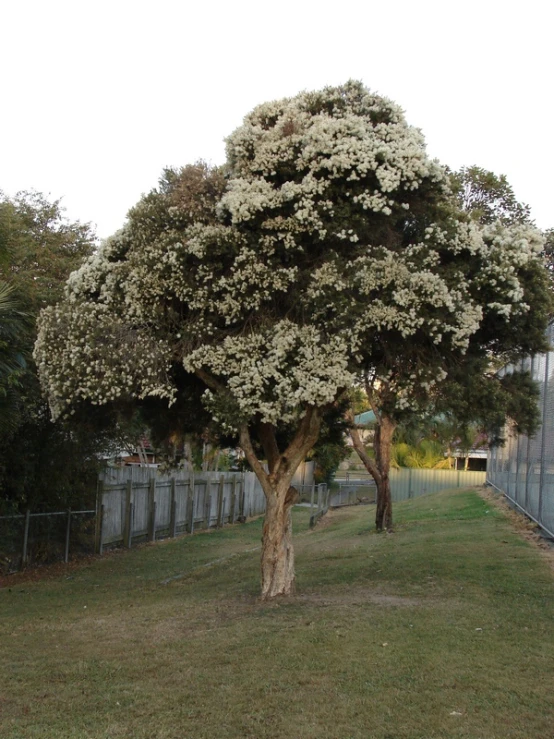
[364,419]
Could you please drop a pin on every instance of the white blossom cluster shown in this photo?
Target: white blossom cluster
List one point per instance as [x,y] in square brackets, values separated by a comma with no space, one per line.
[363,143]
[302,276]
[275,372]
[508,250]
[88,353]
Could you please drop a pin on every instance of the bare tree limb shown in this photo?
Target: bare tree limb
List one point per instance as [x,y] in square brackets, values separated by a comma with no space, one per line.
[368,462]
[208,379]
[266,433]
[369,392]
[246,445]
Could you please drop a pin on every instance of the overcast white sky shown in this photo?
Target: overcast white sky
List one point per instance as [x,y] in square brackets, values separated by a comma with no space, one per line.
[97,97]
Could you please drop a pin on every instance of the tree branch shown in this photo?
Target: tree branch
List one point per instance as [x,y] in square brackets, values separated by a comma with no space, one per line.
[246,445]
[369,392]
[208,380]
[303,441]
[266,433]
[368,462]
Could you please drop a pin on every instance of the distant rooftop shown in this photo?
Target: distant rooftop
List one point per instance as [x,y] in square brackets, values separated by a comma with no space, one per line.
[365,419]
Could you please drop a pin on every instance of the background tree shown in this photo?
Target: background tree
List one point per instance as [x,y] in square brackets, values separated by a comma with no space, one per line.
[42,465]
[549,254]
[333,248]
[488,197]
[464,388]
[12,363]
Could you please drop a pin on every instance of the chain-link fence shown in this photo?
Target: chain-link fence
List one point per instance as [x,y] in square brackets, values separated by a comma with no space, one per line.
[523,469]
[42,538]
[317,497]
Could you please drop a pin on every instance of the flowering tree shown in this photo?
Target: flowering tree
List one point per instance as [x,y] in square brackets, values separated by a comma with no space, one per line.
[508,283]
[329,247]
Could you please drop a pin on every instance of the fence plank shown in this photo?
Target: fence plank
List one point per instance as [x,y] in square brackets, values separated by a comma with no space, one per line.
[128,523]
[190,506]
[173,509]
[152,510]
[242,494]
[233,502]
[99,501]
[220,502]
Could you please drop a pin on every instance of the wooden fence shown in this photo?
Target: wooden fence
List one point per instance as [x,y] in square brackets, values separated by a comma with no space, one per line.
[162,505]
[140,504]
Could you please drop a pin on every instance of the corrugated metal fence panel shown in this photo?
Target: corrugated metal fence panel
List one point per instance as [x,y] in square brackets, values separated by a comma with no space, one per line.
[547,497]
[409,482]
[524,467]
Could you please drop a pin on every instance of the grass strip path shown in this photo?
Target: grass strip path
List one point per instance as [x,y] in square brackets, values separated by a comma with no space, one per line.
[442,629]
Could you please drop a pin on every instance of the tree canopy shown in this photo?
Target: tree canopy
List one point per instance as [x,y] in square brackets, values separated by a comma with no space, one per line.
[329,247]
[42,465]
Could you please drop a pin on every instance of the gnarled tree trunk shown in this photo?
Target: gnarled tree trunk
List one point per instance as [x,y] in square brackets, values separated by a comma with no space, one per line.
[378,468]
[277,561]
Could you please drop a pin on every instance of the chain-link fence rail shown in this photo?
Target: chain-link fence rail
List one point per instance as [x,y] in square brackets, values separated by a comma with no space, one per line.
[319,503]
[405,482]
[523,469]
[353,492]
[136,505]
[43,538]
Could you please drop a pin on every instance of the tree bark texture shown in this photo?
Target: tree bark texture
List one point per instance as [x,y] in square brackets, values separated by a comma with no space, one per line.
[379,468]
[277,561]
[382,444]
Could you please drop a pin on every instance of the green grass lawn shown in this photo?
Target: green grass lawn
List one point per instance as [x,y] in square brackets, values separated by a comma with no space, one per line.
[441,629]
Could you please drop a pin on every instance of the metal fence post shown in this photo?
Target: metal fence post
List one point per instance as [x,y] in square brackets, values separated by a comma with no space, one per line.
[101,529]
[25,536]
[67,535]
[532,371]
[543,436]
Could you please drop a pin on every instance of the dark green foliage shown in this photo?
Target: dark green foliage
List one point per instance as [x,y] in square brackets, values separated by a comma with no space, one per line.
[473,392]
[488,197]
[486,399]
[42,465]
